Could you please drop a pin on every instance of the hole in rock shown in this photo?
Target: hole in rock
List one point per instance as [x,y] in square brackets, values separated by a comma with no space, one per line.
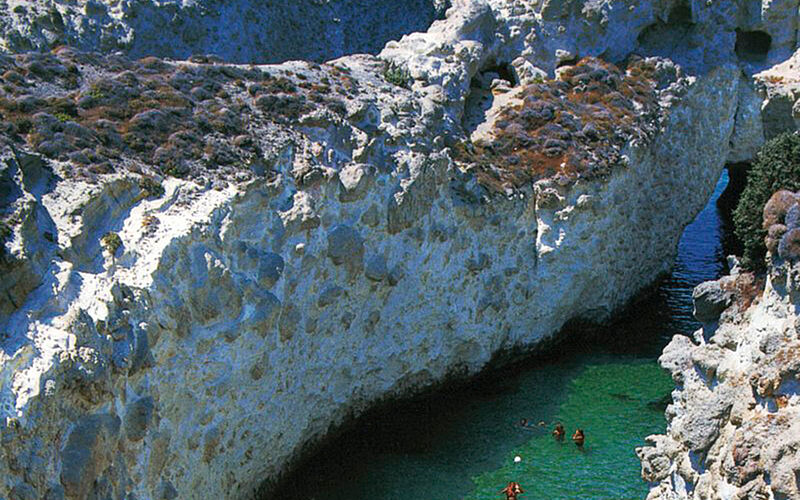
[484,85]
[258,31]
[671,37]
[737,179]
[571,61]
[752,45]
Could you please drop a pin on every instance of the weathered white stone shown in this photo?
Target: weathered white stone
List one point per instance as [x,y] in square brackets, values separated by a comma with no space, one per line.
[243,315]
[733,426]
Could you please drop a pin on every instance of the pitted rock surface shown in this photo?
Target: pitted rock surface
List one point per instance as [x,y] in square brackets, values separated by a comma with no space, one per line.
[207,266]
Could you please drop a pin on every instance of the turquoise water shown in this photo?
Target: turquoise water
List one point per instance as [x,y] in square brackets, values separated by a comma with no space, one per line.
[461,443]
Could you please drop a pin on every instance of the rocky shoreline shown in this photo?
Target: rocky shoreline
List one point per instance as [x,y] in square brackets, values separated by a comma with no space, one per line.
[734,423]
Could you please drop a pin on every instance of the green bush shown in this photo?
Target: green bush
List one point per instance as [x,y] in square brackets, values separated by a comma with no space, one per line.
[777,166]
[151,188]
[111,242]
[397,75]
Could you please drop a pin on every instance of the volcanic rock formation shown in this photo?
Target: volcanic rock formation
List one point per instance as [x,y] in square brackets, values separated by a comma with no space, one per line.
[734,428]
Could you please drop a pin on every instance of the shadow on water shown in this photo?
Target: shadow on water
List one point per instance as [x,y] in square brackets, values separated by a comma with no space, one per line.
[460,441]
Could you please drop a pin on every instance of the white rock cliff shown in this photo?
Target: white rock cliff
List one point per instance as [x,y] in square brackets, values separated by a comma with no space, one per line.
[208,266]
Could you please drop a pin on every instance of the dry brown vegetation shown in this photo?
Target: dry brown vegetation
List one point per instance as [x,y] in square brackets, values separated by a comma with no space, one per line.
[574,126]
[178,117]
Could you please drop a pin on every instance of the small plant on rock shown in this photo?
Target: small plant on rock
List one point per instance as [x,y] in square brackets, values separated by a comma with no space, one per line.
[151,188]
[111,242]
[777,166]
[397,74]
[96,92]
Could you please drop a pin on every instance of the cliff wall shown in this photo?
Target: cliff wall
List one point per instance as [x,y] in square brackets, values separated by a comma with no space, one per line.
[207,266]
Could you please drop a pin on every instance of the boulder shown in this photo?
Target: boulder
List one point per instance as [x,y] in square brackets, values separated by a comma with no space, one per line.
[90,446]
[710,299]
[138,414]
[345,246]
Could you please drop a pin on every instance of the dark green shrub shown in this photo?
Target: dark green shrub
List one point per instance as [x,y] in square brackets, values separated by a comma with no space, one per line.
[151,188]
[777,166]
[5,234]
[111,242]
[397,75]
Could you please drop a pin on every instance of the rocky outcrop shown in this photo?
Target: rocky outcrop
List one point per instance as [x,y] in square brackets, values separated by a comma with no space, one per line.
[215,264]
[237,31]
[734,424]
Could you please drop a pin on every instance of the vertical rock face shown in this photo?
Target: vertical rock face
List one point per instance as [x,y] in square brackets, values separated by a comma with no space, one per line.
[734,424]
[207,266]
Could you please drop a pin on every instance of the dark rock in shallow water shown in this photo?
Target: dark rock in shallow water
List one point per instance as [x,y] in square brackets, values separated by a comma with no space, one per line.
[660,405]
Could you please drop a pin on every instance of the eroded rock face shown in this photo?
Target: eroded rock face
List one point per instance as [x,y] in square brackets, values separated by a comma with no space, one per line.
[215,264]
[734,424]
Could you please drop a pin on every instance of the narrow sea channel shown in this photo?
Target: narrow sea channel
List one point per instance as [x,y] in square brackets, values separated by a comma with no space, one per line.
[461,444]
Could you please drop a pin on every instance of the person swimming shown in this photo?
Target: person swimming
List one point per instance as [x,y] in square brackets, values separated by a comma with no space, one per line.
[578,438]
[523,422]
[559,432]
[512,490]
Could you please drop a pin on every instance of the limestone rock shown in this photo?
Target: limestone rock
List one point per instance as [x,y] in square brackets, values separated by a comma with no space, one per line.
[345,246]
[376,268]
[736,403]
[88,452]
[270,268]
[138,414]
[354,179]
[250,198]
[710,299]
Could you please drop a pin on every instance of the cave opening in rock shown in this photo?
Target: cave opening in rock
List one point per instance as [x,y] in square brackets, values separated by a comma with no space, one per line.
[259,32]
[503,71]
[752,45]
[681,14]
[671,37]
[481,95]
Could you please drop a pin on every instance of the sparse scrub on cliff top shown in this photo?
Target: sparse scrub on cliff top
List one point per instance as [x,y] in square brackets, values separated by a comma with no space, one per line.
[574,126]
[777,166]
[151,188]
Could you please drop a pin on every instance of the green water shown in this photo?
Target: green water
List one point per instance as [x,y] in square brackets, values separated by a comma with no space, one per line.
[616,404]
[460,443]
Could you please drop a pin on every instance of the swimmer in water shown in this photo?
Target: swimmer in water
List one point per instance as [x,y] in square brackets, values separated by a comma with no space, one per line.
[523,422]
[559,432]
[578,438]
[512,490]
